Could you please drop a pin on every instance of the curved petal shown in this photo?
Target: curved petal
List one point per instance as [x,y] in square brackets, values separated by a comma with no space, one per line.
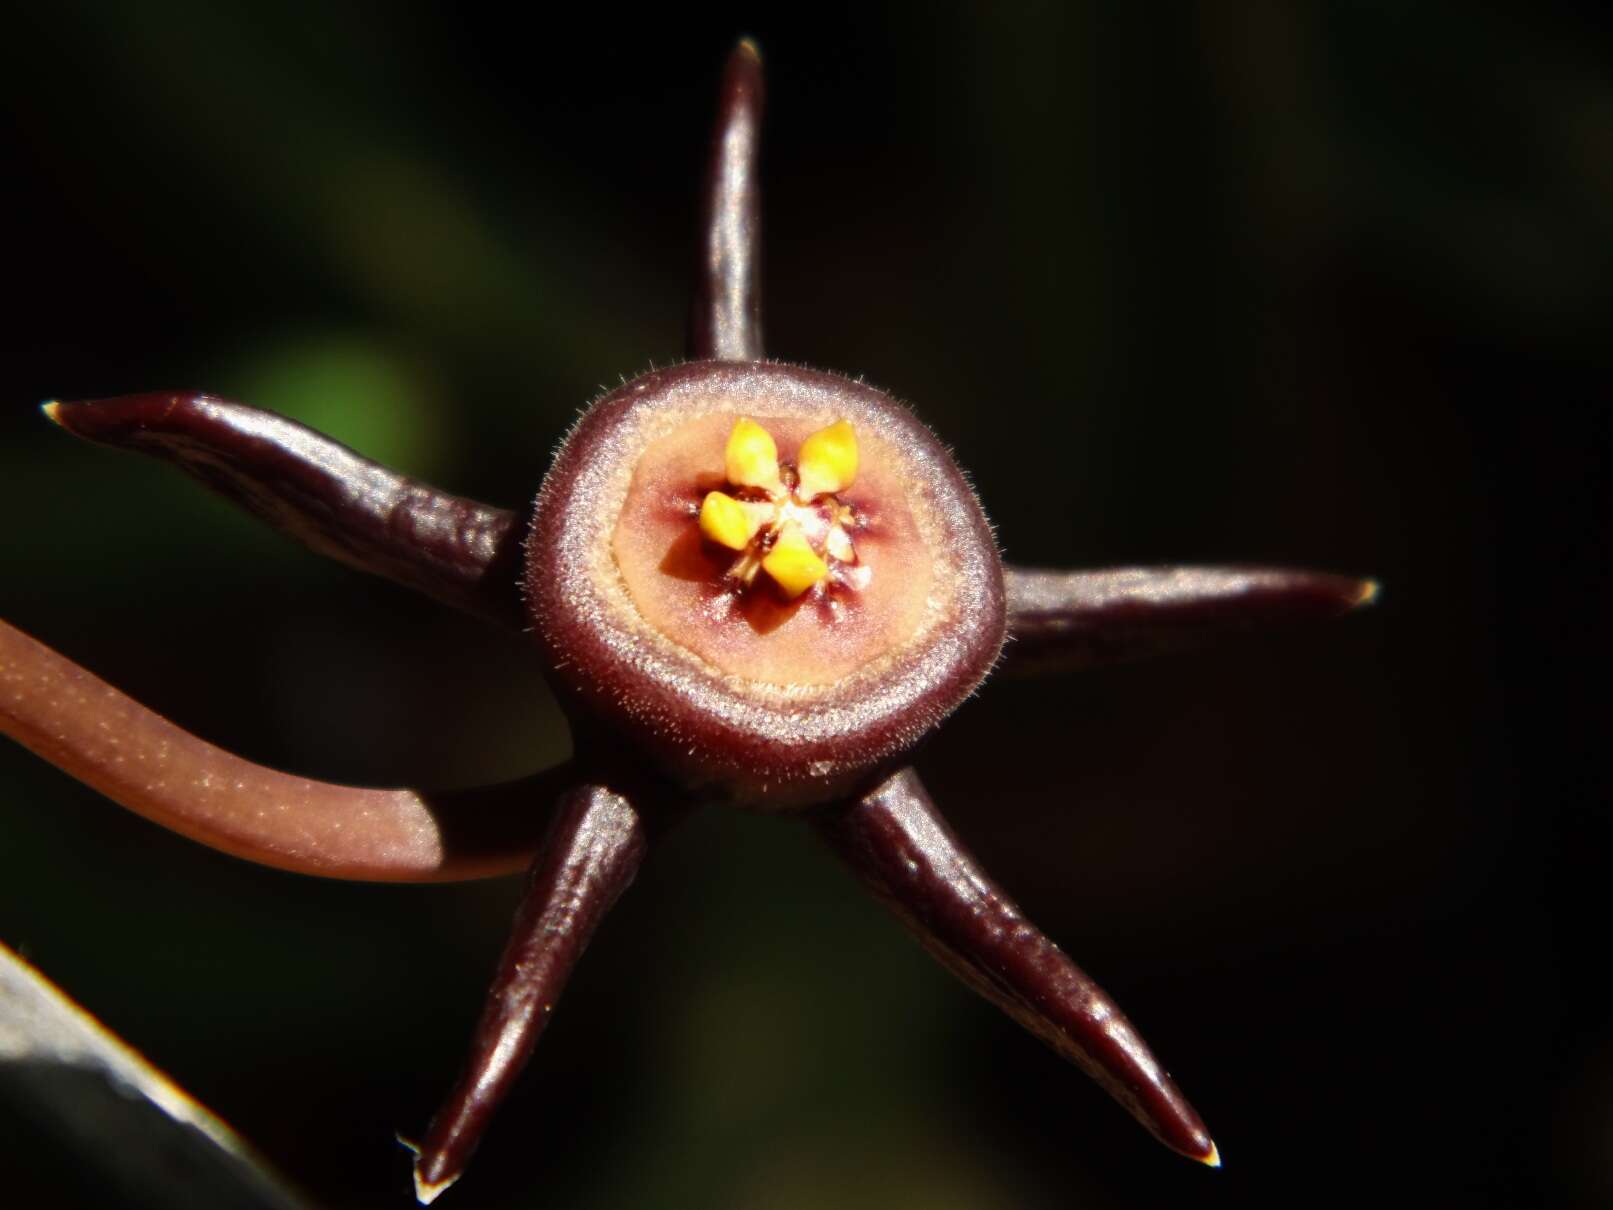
[592,853]
[896,842]
[1063,620]
[321,493]
[143,762]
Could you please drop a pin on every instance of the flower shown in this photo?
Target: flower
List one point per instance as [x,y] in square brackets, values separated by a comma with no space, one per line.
[836,528]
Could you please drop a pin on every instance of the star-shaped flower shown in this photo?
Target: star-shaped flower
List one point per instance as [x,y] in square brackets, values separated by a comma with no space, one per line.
[753,583]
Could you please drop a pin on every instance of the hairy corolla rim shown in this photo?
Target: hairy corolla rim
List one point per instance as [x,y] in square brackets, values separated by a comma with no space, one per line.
[767,745]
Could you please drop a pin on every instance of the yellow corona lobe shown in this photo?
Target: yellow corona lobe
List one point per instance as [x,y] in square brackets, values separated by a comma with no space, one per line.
[828,461]
[750,458]
[792,563]
[724,521]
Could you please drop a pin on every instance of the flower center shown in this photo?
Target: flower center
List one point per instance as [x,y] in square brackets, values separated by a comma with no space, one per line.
[797,571]
[785,522]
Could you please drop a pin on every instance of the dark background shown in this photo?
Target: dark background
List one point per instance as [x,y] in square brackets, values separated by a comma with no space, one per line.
[1314,284]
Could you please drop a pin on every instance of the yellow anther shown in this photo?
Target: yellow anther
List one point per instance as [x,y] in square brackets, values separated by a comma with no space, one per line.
[724,521]
[793,564]
[828,461]
[751,458]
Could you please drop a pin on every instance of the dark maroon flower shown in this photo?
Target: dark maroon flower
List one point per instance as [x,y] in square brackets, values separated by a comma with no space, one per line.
[753,583]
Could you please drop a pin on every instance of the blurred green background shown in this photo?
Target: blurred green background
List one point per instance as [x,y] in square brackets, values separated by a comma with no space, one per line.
[1315,284]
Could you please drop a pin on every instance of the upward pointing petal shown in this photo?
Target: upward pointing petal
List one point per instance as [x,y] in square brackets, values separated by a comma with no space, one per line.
[725,316]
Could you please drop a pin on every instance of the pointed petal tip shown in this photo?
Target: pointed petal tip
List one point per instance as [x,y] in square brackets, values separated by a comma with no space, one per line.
[1367,593]
[1212,1158]
[426,1192]
[50,408]
[747,47]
